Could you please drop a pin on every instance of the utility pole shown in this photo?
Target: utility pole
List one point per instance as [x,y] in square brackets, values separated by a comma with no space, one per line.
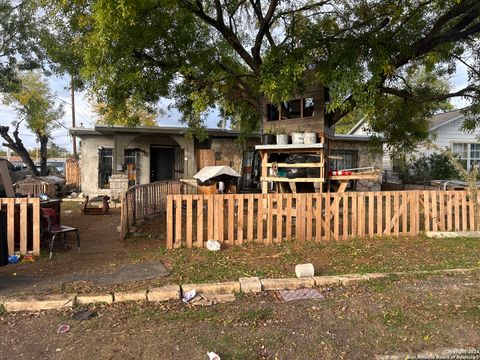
[72,95]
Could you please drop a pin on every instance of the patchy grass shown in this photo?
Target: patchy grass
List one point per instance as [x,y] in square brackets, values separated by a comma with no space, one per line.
[355,256]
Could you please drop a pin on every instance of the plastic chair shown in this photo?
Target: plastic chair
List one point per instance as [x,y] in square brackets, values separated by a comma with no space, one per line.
[53,228]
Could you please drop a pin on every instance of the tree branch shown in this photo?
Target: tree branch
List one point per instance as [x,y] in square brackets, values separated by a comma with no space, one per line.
[225,31]
[264,28]
[404,94]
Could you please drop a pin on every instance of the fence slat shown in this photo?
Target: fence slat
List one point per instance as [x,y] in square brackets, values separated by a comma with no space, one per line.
[170,222]
[36,226]
[260,205]
[279,237]
[345,216]
[336,215]
[464,211]
[457,211]
[371,212]
[471,208]
[250,217]
[199,242]
[434,211]
[309,216]
[449,212]
[327,222]
[189,223]
[288,219]
[178,220]
[231,217]
[354,214]
[210,220]
[240,200]
[380,216]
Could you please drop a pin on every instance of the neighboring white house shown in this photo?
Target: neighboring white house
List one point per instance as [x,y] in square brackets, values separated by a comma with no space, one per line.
[447,133]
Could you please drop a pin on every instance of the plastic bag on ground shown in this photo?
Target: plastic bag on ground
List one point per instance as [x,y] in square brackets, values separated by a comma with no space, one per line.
[213,245]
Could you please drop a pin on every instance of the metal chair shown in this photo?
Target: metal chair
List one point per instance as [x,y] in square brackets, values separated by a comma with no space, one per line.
[52,228]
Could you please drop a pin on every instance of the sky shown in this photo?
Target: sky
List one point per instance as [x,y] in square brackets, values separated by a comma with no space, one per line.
[86,117]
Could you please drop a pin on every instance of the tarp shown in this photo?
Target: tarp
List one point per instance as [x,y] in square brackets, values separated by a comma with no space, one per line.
[211,172]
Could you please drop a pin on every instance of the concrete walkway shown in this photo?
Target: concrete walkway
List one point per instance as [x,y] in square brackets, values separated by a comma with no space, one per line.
[21,284]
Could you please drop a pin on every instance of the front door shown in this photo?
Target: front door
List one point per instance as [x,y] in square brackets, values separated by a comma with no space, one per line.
[161,163]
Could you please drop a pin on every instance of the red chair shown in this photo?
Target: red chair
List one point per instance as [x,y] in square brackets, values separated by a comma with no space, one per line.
[51,228]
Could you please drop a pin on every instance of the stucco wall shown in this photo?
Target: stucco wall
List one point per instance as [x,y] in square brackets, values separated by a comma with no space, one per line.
[90,145]
[366,157]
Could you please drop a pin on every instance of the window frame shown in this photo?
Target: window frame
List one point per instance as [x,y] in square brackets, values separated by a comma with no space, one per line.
[280,109]
[469,159]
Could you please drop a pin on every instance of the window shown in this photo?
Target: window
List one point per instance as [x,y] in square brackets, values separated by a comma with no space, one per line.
[469,154]
[291,109]
[308,107]
[348,159]
[272,112]
[105,167]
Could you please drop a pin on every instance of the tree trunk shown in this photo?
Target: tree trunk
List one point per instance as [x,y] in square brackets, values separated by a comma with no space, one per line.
[43,155]
[16,145]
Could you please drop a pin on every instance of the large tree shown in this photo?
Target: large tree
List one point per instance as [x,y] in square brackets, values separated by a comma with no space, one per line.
[35,106]
[230,54]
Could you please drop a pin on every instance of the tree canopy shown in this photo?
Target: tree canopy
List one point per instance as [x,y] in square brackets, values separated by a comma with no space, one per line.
[20,47]
[231,54]
[34,104]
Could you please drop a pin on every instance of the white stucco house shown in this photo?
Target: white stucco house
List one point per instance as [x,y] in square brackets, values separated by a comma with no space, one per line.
[447,133]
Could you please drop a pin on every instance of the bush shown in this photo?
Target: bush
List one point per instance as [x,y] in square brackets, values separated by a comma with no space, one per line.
[432,167]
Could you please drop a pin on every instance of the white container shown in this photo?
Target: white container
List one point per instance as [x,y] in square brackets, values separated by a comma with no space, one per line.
[297,138]
[282,139]
[310,138]
[304,270]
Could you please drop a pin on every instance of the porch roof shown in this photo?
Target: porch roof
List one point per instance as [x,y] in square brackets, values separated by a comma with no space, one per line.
[147,130]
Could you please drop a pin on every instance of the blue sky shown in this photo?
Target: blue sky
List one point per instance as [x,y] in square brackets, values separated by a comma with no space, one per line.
[85,116]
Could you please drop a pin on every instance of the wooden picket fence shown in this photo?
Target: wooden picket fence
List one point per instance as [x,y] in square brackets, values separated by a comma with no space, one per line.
[23,225]
[273,218]
[142,201]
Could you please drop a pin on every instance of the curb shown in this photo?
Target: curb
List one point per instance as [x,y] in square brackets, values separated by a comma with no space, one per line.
[31,303]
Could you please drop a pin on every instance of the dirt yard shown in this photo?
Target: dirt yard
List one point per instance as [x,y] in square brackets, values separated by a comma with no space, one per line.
[380,317]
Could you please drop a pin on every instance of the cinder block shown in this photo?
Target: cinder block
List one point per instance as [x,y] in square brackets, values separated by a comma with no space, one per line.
[213,288]
[169,292]
[39,302]
[94,299]
[287,283]
[124,296]
[250,284]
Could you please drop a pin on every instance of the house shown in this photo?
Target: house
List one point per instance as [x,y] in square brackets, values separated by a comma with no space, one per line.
[116,157]
[112,158]
[446,133]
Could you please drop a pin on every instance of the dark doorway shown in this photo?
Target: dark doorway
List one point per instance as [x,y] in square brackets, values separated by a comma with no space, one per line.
[161,163]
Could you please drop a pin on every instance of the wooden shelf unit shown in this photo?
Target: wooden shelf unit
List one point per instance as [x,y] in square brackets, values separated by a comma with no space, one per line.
[309,149]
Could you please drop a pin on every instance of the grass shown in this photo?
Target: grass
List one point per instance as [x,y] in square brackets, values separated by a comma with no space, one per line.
[354,256]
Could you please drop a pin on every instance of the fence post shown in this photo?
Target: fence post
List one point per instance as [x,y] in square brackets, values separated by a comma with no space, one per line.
[170,222]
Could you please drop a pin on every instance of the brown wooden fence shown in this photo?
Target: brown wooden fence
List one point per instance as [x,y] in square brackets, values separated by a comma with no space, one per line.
[23,225]
[72,173]
[142,201]
[272,218]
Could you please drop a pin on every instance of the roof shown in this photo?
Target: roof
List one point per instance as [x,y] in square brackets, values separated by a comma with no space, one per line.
[439,120]
[351,137]
[147,130]
[435,121]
